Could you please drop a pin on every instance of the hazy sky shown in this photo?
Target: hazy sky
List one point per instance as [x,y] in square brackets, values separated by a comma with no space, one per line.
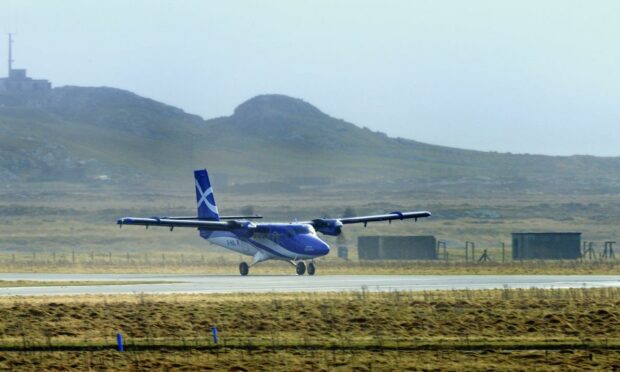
[518,76]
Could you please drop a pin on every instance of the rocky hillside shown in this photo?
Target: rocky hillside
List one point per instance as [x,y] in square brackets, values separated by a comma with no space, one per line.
[86,135]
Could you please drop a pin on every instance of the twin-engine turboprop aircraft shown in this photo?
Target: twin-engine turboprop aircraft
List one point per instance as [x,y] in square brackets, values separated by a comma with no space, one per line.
[295,242]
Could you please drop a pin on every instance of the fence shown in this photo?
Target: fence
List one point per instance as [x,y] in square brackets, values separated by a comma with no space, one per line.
[502,252]
[469,252]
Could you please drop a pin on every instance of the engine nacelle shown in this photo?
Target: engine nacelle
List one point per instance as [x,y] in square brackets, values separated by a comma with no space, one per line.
[328,226]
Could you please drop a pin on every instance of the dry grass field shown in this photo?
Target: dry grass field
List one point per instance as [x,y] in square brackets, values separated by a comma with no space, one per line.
[62,220]
[507,329]
[65,230]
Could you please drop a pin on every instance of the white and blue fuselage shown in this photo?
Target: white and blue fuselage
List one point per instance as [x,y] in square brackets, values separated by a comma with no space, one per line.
[272,241]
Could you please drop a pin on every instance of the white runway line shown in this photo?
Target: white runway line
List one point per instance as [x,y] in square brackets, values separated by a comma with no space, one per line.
[293,283]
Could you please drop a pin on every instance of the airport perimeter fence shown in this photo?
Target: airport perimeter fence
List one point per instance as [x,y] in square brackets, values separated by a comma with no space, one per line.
[590,251]
[81,258]
[467,254]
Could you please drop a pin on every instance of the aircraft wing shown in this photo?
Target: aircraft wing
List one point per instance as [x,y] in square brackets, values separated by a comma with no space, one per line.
[172,223]
[385,217]
[253,217]
[333,226]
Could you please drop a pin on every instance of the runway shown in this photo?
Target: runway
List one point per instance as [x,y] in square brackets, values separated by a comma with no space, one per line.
[286,283]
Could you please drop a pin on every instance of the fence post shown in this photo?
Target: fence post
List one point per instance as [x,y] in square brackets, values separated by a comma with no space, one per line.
[214,334]
[503,252]
[119,342]
[473,252]
[583,249]
[466,251]
[442,244]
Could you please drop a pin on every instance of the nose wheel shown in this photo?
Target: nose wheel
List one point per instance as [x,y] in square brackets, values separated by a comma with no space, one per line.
[311,268]
[244,269]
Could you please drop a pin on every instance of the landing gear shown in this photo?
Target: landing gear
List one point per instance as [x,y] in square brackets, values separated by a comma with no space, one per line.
[244,269]
[311,268]
[300,268]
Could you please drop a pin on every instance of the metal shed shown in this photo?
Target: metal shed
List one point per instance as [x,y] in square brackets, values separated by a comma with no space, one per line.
[546,245]
[397,247]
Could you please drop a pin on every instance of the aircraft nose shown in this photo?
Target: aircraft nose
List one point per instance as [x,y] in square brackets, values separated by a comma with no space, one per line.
[319,247]
[323,249]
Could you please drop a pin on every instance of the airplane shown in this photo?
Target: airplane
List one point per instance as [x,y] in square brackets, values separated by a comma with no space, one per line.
[295,242]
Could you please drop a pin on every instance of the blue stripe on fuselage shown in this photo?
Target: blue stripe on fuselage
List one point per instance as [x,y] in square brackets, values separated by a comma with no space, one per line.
[269,250]
[212,234]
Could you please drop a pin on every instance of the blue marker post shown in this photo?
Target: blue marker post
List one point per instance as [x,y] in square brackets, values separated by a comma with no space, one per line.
[119,341]
[214,333]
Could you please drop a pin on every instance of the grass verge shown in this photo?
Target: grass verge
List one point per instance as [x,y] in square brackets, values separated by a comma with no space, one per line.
[228,264]
[501,329]
[36,283]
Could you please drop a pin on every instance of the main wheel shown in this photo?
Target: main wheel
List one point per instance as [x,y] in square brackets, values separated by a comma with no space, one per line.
[244,269]
[311,268]
[300,268]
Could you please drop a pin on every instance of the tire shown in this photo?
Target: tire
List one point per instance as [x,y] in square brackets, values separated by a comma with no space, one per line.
[244,269]
[300,268]
[311,268]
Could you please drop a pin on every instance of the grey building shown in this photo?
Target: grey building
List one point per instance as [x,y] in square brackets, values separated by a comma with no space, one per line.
[546,245]
[397,247]
[18,80]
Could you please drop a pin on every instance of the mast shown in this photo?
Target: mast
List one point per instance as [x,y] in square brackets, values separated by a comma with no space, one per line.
[10,54]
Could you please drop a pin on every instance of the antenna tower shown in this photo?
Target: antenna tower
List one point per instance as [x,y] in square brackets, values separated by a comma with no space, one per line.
[10,53]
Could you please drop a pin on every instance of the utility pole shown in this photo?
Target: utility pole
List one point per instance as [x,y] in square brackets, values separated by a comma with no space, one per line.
[10,54]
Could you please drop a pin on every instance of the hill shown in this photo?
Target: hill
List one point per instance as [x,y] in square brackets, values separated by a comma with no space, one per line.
[270,142]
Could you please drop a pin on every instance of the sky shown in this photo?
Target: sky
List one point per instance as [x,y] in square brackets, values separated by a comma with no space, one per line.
[510,76]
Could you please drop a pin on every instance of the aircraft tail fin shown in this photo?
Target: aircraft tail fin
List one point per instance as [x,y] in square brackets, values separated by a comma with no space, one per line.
[204,196]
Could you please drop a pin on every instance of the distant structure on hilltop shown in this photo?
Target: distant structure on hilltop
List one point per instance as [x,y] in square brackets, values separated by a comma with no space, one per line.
[17,81]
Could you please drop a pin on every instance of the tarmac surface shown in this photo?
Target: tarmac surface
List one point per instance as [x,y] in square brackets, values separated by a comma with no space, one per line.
[292,283]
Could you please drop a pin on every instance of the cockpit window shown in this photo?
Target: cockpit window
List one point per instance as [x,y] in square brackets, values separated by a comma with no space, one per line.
[266,232]
[262,229]
[300,230]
